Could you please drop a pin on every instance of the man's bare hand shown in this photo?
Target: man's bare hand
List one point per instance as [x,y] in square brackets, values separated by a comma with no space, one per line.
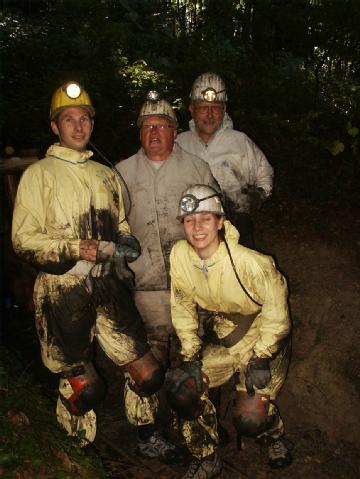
[88,249]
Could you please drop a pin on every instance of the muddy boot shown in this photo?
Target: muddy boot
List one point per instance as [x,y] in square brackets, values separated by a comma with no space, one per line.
[156,446]
[279,455]
[205,468]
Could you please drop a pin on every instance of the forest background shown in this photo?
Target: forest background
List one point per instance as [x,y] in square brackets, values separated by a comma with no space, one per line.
[291,67]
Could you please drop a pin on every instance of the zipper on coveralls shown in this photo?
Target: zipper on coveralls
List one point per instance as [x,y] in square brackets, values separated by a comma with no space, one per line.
[205,271]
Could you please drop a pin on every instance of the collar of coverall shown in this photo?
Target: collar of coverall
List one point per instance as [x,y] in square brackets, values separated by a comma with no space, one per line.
[68,155]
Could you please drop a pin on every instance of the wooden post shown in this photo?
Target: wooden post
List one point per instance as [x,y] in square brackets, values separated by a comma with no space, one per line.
[19,276]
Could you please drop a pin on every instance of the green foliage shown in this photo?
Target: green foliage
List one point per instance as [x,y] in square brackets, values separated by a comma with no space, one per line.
[291,67]
[32,443]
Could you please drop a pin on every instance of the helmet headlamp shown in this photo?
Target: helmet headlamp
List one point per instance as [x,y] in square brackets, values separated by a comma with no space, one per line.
[208,87]
[210,94]
[199,199]
[153,95]
[68,95]
[73,90]
[189,203]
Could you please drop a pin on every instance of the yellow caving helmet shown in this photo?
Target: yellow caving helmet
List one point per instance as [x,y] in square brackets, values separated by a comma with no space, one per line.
[70,94]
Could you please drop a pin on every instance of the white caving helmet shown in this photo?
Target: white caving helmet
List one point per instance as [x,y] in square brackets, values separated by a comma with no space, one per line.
[155,105]
[208,87]
[200,199]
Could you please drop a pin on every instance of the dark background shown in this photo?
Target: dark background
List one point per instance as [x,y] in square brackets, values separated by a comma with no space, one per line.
[291,67]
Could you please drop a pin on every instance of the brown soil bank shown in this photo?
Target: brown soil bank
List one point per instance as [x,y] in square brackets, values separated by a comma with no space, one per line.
[317,247]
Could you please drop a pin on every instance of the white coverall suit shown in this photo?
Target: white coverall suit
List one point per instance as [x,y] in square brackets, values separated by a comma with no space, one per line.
[212,284]
[61,200]
[155,197]
[236,163]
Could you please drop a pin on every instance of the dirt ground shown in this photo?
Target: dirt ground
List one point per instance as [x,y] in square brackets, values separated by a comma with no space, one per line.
[316,245]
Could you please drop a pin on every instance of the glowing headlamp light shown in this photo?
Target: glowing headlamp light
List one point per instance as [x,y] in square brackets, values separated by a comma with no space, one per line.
[210,94]
[153,95]
[189,203]
[73,90]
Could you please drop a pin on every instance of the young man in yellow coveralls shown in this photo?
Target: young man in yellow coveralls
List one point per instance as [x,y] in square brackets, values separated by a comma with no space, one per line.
[69,223]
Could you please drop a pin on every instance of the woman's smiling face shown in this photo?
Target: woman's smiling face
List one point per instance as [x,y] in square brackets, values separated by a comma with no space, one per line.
[202,232]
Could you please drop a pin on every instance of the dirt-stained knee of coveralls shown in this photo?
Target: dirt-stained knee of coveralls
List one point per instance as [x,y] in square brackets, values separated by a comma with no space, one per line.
[218,364]
[65,320]
[120,347]
[201,434]
[120,328]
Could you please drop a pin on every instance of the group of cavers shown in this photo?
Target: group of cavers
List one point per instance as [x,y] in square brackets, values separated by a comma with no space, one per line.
[173,261]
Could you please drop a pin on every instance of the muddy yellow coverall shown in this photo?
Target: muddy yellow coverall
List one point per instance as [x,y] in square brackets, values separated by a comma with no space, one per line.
[63,199]
[240,326]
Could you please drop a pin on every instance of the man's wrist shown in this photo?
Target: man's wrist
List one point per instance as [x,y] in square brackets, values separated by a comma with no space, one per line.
[88,250]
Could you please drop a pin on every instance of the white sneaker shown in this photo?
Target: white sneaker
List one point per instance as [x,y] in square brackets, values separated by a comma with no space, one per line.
[204,468]
[158,447]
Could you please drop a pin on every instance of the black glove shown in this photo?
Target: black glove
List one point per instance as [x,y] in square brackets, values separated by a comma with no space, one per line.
[122,270]
[127,249]
[128,246]
[255,195]
[257,374]
[193,369]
